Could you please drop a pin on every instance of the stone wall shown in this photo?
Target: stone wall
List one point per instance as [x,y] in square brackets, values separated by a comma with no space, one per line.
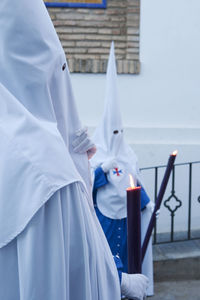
[86,35]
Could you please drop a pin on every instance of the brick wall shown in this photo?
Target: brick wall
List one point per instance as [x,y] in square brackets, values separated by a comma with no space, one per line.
[86,35]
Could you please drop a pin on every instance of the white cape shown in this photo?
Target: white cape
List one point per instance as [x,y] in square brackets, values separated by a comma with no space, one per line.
[51,244]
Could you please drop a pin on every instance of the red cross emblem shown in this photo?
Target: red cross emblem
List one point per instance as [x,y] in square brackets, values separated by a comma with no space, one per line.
[117,171]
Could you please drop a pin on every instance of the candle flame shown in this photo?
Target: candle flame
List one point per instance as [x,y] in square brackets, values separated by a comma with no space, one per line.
[131,181]
[175,153]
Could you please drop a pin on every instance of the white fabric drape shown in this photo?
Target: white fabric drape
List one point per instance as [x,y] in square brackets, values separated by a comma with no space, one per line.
[51,244]
[48,259]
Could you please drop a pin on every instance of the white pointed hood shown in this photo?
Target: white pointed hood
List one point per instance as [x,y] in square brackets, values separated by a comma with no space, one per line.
[111,121]
[32,58]
[37,115]
[110,143]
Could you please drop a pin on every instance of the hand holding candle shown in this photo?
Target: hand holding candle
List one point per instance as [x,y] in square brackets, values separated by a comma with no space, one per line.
[134,228]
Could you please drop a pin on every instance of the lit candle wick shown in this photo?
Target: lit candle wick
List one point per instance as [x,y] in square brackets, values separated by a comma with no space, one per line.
[175,153]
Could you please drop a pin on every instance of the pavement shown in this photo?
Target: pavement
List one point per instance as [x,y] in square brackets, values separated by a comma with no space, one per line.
[177,271]
[177,261]
[177,290]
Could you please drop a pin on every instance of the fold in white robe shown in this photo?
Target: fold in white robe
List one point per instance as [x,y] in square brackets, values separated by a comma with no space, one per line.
[53,258]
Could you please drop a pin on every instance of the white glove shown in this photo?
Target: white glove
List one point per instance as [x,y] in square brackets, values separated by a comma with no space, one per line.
[134,286]
[82,143]
[157,213]
[109,164]
[151,206]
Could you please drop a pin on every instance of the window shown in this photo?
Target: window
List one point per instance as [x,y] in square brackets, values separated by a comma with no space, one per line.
[76,3]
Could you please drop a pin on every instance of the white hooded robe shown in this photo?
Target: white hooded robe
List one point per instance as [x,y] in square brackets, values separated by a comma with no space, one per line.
[111,198]
[51,244]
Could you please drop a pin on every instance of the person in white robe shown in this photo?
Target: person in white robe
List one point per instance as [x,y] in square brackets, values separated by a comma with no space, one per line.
[51,244]
[112,164]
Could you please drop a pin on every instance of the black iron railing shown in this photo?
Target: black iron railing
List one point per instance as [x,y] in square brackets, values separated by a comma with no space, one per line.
[172,196]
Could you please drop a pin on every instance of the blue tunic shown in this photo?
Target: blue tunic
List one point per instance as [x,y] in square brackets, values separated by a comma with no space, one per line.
[115,229]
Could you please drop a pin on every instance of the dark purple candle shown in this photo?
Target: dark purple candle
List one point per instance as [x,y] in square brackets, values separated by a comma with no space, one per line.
[158,202]
[134,229]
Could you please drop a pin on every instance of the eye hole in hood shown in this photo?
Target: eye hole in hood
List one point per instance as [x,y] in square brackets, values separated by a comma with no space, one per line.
[116,131]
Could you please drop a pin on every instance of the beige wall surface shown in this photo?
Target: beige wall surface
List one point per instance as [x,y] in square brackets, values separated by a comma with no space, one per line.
[86,35]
